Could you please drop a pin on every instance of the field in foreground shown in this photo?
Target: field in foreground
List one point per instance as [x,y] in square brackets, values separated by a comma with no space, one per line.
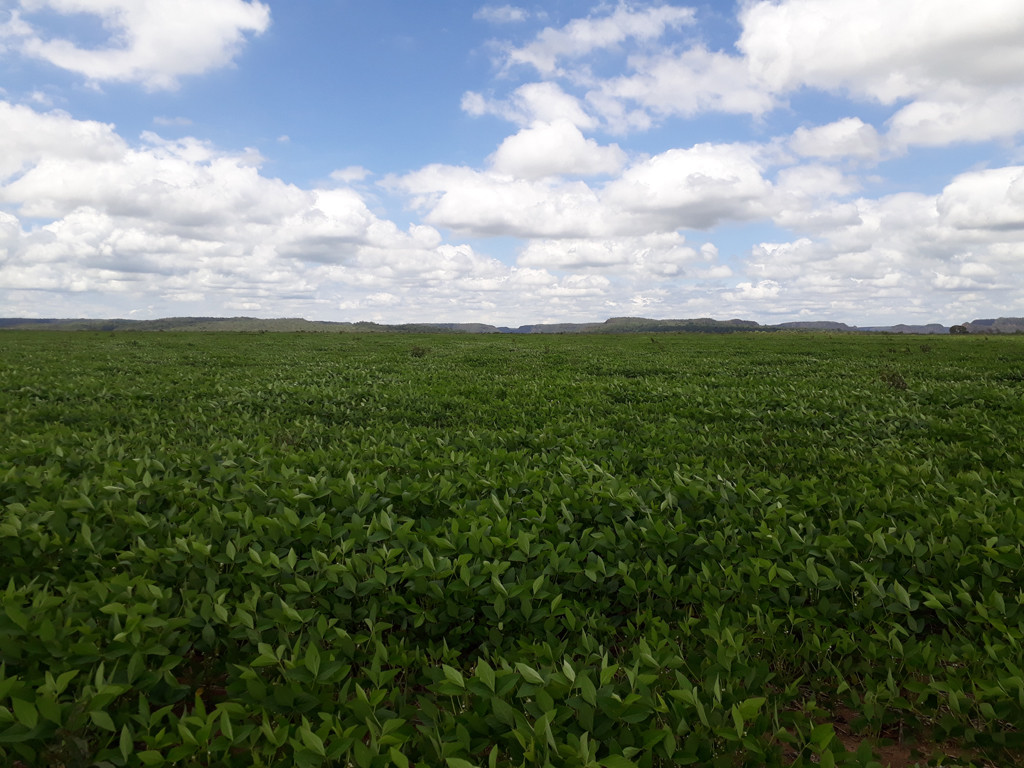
[460,551]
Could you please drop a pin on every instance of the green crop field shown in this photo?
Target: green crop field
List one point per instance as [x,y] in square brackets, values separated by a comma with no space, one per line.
[416,550]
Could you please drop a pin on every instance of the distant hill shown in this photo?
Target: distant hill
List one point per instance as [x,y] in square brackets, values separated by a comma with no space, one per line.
[819,325]
[612,325]
[235,324]
[642,325]
[257,325]
[932,328]
[998,325]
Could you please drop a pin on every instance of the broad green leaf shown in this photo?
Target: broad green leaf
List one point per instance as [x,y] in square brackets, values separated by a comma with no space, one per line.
[486,674]
[529,674]
[225,725]
[312,660]
[587,689]
[901,593]
[49,708]
[822,735]
[102,720]
[25,712]
[125,744]
[568,671]
[737,719]
[750,707]
[311,740]
[453,676]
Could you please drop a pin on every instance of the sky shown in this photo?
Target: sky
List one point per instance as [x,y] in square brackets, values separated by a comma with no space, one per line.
[396,161]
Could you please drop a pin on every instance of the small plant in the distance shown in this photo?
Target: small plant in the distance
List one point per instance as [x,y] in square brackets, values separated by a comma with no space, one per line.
[894,380]
[418,351]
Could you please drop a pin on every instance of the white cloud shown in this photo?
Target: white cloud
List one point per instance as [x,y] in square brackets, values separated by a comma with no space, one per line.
[985,200]
[583,36]
[351,174]
[952,69]
[28,137]
[693,188]
[530,103]
[661,81]
[958,114]
[765,289]
[958,64]
[658,256]
[181,227]
[849,137]
[10,235]
[882,260]
[153,43]
[555,149]
[805,199]
[501,14]
[189,184]
[490,204]
[808,185]
[881,49]
[181,218]
[679,84]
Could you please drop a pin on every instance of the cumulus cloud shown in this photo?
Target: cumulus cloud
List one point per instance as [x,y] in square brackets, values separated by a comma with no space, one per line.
[985,200]
[764,289]
[28,137]
[957,64]
[692,188]
[583,36]
[10,234]
[660,255]
[678,84]
[884,50]
[555,149]
[958,114]
[530,103]
[950,70]
[806,199]
[493,205]
[153,43]
[85,211]
[849,137]
[661,81]
[182,227]
[884,258]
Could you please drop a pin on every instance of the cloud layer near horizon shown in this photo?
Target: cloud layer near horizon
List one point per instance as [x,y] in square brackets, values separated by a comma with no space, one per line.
[95,223]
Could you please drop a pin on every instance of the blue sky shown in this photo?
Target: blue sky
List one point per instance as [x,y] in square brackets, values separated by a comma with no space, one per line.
[850,160]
